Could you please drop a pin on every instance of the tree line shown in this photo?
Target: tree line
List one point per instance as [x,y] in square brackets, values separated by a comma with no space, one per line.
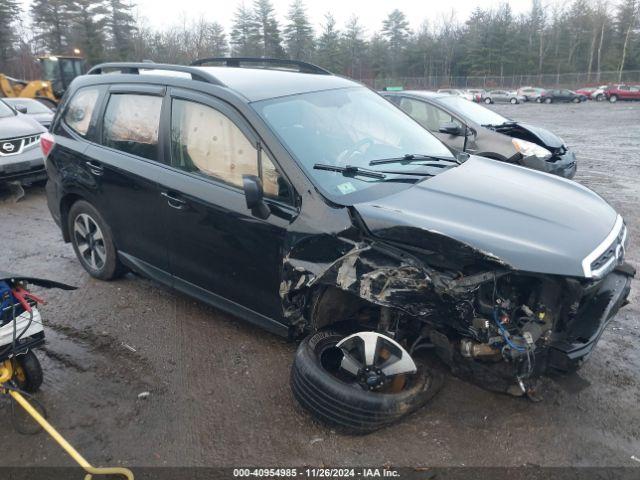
[576,36]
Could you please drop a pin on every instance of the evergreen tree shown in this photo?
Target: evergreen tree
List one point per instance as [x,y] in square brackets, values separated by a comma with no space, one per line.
[396,31]
[298,33]
[328,51]
[353,47]
[51,19]
[122,27]
[266,31]
[243,32]
[89,28]
[9,12]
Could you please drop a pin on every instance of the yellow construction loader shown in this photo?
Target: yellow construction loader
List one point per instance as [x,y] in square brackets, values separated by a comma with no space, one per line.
[57,73]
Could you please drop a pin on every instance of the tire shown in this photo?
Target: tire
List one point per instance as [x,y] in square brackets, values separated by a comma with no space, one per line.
[103,262]
[547,100]
[538,100]
[27,372]
[576,100]
[513,101]
[339,404]
[599,97]
[613,98]
[487,101]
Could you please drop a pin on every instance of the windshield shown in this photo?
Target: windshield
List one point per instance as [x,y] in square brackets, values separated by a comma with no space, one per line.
[32,106]
[5,111]
[348,127]
[473,111]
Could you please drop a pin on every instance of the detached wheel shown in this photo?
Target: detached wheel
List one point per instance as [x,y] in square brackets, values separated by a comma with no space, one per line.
[27,372]
[487,101]
[93,242]
[360,383]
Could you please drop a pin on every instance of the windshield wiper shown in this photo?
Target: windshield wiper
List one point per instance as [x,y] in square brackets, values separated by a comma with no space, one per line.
[352,170]
[414,157]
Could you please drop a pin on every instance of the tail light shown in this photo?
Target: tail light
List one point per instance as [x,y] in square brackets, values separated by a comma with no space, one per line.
[47,141]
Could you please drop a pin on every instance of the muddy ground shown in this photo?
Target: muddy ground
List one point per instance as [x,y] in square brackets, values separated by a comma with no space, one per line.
[219,393]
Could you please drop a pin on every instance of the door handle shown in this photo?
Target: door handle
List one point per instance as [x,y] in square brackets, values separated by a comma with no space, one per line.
[95,168]
[174,201]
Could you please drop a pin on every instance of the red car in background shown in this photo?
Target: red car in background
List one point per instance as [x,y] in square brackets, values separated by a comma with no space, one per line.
[622,92]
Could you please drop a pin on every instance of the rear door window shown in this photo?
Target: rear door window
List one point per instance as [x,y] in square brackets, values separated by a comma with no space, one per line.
[80,110]
[131,124]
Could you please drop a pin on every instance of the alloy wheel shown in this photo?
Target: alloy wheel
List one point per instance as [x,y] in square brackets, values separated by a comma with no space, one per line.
[89,241]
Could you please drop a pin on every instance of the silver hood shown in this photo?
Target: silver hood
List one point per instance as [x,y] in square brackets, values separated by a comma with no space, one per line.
[530,220]
[19,126]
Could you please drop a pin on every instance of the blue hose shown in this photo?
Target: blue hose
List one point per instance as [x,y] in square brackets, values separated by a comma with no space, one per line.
[505,334]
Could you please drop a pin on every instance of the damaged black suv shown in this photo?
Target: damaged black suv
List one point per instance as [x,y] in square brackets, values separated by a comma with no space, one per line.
[309,205]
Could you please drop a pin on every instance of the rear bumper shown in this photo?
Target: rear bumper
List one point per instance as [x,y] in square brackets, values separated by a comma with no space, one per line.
[591,320]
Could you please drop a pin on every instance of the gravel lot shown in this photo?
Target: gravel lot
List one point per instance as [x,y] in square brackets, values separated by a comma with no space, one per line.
[219,393]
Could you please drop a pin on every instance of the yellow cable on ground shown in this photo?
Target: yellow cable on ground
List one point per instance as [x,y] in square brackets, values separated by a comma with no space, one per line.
[5,375]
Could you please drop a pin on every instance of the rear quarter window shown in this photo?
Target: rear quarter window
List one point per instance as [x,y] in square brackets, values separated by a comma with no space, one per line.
[80,110]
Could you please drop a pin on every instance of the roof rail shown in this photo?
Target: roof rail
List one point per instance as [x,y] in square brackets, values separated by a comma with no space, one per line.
[303,67]
[134,68]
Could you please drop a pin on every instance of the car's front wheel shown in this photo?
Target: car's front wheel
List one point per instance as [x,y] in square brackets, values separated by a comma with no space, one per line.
[613,98]
[92,241]
[513,101]
[360,383]
[576,100]
[547,100]
[487,101]
[599,97]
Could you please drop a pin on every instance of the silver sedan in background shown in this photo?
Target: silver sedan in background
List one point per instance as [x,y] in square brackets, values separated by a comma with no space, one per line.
[503,96]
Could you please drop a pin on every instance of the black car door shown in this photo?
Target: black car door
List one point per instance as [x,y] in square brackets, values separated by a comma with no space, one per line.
[125,163]
[218,248]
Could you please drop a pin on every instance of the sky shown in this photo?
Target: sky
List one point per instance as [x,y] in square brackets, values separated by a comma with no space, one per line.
[163,13]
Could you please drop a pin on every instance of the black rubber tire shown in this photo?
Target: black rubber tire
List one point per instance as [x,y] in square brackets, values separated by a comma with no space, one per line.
[112,267]
[352,410]
[30,366]
[613,98]
[513,101]
[576,100]
[488,101]
[547,100]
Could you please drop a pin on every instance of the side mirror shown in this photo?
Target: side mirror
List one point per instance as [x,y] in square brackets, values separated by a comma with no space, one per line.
[254,195]
[451,128]
[21,108]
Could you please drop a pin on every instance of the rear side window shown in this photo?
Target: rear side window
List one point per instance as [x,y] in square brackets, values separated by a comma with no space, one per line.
[80,110]
[206,142]
[426,114]
[131,124]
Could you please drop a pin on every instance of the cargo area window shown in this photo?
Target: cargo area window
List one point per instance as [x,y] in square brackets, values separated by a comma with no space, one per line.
[80,110]
[131,124]
[206,142]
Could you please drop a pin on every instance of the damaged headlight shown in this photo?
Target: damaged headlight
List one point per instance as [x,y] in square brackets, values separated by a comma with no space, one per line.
[530,149]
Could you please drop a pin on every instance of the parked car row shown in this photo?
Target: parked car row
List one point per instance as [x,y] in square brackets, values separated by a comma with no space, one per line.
[613,93]
[311,206]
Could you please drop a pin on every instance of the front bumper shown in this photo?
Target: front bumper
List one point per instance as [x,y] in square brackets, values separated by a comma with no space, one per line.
[563,166]
[592,318]
[26,167]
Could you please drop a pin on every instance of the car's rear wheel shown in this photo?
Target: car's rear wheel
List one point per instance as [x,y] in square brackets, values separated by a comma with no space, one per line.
[547,100]
[487,101]
[332,379]
[513,101]
[613,98]
[92,241]
[599,97]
